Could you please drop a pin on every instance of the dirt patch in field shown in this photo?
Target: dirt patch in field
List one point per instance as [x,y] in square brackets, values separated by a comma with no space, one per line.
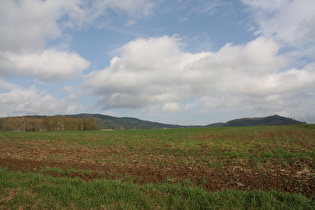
[241,177]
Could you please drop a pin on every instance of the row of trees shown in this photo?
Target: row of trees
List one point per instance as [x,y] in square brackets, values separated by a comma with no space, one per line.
[59,123]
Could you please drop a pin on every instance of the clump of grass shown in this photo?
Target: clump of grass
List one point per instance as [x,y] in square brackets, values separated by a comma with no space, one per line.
[37,191]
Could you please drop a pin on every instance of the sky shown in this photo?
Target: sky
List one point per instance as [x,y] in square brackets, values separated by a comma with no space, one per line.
[187,62]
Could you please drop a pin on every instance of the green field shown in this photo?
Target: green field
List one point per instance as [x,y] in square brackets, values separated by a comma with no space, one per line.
[269,167]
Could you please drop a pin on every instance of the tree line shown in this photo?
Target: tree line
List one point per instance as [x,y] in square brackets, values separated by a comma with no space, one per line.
[55,123]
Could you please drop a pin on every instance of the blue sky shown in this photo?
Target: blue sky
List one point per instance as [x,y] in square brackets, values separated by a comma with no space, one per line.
[176,61]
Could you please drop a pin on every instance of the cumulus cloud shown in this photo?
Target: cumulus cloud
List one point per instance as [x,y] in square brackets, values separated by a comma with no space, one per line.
[291,23]
[48,65]
[157,73]
[26,26]
[19,101]
[144,74]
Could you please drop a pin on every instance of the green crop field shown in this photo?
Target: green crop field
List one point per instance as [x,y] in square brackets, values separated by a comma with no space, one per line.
[270,167]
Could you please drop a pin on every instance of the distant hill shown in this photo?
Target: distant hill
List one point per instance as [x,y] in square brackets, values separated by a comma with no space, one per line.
[258,121]
[123,123]
[99,121]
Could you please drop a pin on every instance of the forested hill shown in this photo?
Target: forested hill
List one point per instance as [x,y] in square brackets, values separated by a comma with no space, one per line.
[122,123]
[258,121]
[47,123]
[115,123]
[98,121]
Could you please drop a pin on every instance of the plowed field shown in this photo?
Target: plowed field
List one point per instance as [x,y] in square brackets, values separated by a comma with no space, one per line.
[248,158]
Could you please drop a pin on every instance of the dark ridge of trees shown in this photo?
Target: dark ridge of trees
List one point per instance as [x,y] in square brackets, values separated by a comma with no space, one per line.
[81,122]
[124,123]
[259,121]
[40,123]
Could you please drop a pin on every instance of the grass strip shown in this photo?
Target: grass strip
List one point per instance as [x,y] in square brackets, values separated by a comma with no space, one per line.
[38,191]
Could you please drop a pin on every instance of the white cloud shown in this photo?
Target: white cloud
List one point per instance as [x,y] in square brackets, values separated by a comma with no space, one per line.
[156,73]
[289,21]
[28,24]
[81,12]
[48,65]
[4,86]
[26,28]
[146,73]
[20,101]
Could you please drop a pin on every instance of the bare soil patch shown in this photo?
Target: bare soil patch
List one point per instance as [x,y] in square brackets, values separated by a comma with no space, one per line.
[238,177]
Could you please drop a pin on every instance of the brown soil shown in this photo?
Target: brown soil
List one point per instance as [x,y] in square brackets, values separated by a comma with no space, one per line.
[241,177]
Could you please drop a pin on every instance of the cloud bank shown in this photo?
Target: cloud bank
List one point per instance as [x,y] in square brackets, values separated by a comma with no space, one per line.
[157,74]
[16,100]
